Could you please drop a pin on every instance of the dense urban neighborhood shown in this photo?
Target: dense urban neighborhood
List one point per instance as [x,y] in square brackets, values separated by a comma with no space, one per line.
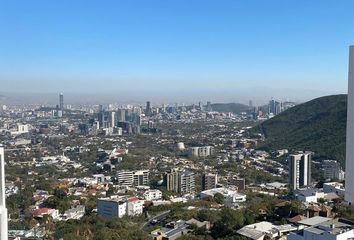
[164,172]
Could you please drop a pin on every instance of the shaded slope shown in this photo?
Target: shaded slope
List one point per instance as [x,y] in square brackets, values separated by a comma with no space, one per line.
[318,125]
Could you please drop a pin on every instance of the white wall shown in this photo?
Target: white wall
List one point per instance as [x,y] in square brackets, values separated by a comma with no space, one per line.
[349,194]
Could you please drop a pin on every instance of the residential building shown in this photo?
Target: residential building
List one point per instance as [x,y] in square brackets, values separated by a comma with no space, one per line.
[171,231]
[334,187]
[180,181]
[201,151]
[171,180]
[231,197]
[133,178]
[41,212]
[309,195]
[134,206]
[240,183]
[332,170]
[73,213]
[336,229]
[300,170]
[141,178]
[118,206]
[3,210]
[112,207]
[33,233]
[266,230]
[186,182]
[154,194]
[22,128]
[209,181]
[349,177]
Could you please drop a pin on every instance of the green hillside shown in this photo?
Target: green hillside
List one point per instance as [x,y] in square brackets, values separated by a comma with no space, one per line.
[318,125]
[230,107]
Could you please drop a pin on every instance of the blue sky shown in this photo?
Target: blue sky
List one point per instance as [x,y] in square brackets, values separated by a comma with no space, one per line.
[153,46]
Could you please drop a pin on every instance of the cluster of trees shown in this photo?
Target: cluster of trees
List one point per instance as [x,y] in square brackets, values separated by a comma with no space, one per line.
[97,228]
[225,223]
[59,201]
[251,175]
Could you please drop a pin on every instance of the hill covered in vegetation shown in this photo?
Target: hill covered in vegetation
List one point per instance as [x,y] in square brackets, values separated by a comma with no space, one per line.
[318,125]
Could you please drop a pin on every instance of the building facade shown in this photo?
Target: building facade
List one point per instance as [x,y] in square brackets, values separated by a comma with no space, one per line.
[210,180]
[180,181]
[3,210]
[153,194]
[134,206]
[349,177]
[61,101]
[300,170]
[119,207]
[204,151]
[111,208]
[332,170]
[171,180]
[187,182]
[133,178]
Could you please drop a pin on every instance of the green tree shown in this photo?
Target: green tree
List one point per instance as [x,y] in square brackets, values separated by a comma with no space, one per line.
[219,198]
[296,207]
[230,220]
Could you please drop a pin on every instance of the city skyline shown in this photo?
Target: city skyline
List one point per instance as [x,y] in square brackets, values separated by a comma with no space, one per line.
[189,119]
[258,96]
[173,47]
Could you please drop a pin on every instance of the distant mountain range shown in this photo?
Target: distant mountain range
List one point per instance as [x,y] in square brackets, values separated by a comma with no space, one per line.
[318,125]
[230,107]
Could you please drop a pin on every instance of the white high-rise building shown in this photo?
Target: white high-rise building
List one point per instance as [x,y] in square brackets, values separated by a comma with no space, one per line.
[349,170]
[300,170]
[3,210]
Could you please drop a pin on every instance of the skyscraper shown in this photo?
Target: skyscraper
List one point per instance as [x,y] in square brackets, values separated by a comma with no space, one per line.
[349,170]
[274,107]
[148,109]
[300,170]
[3,210]
[113,119]
[61,101]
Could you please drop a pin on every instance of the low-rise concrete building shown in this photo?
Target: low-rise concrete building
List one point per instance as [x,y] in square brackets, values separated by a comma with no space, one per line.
[134,206]
[334,187]
[154,194]
[119,206]
[266,230]
[309,195]
[336,229]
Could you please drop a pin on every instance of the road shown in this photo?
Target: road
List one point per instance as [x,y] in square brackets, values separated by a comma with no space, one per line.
[158,218]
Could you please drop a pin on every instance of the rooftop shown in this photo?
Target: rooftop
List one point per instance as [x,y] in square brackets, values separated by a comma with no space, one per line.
[314,221]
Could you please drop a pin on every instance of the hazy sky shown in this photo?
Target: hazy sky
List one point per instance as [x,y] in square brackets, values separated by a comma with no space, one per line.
[179,46]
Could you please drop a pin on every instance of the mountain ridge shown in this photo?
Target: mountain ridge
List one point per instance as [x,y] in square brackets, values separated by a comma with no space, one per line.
[318,125]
